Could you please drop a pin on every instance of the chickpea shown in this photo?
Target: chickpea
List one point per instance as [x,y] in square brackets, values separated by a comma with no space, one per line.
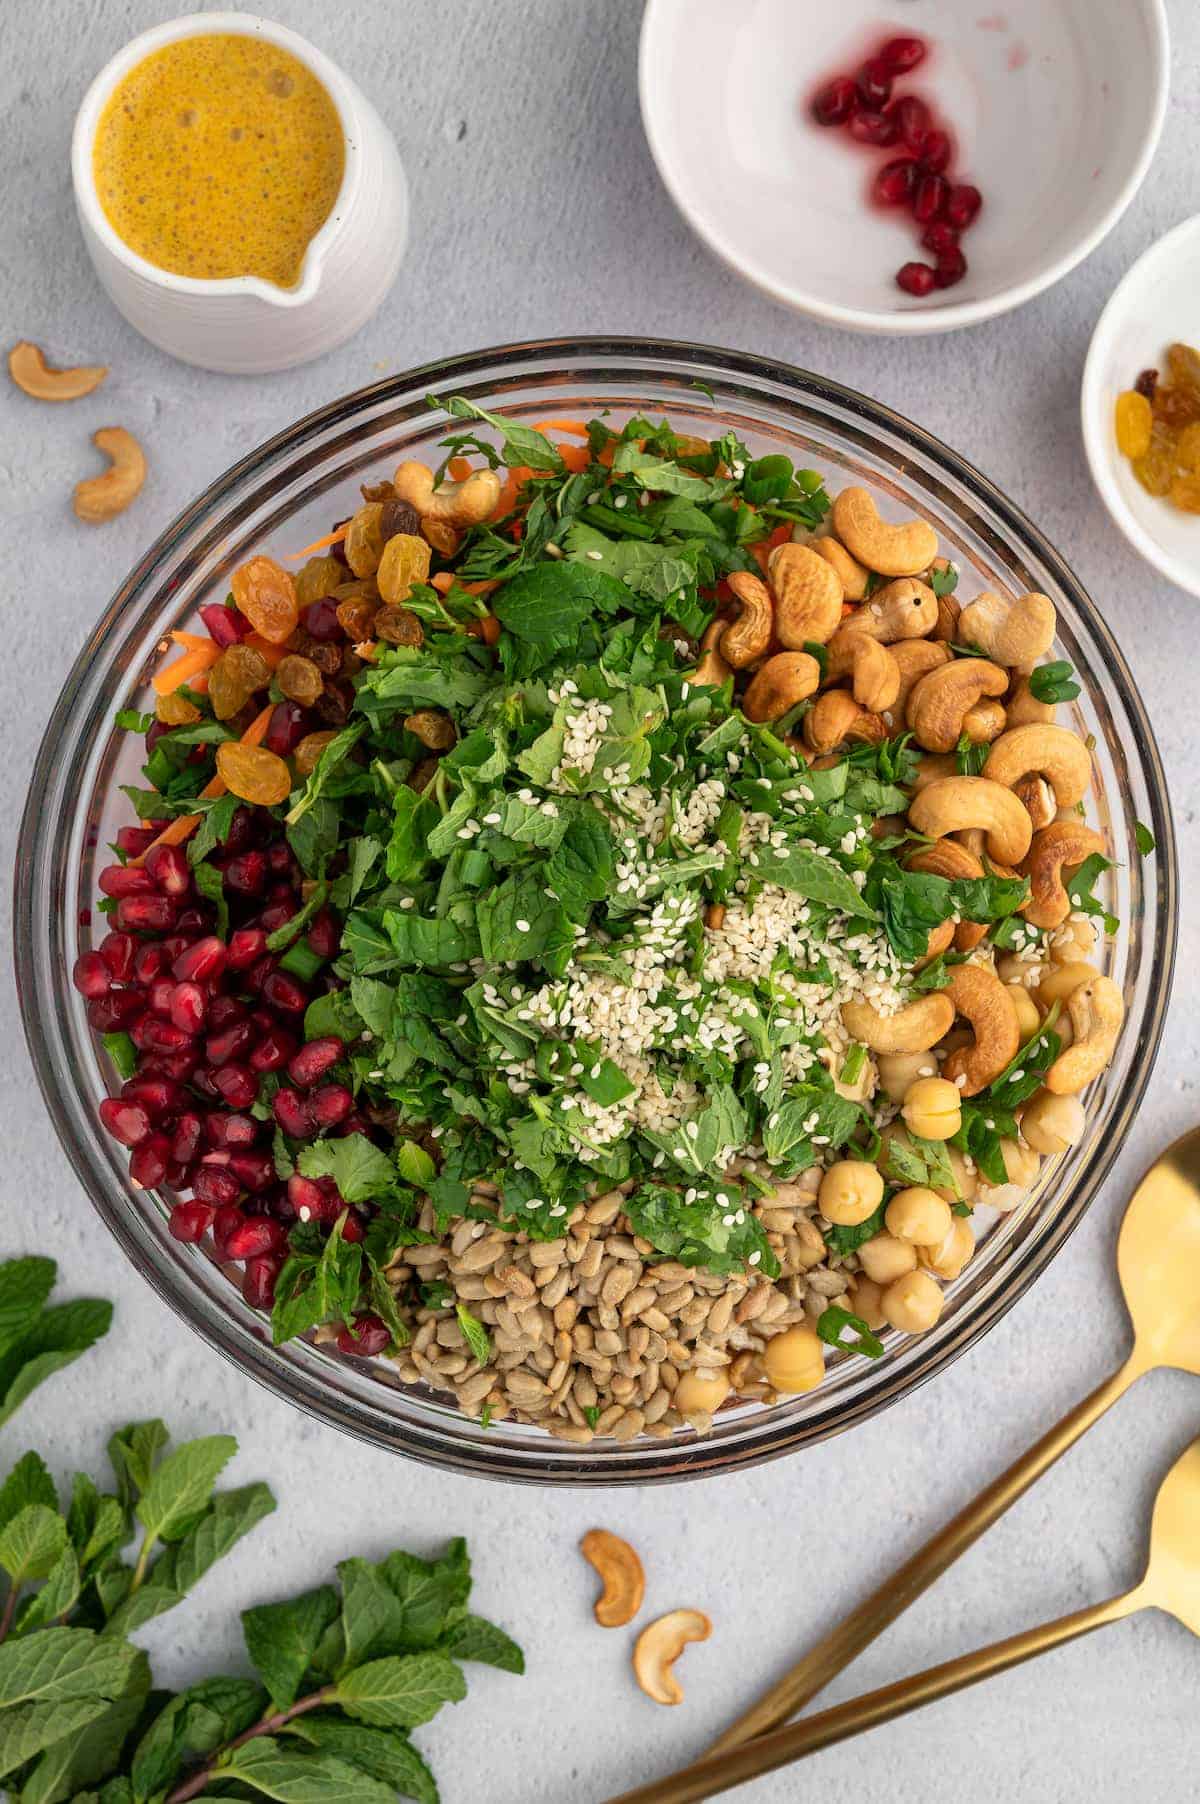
[933,1108]
[850,1191]
[919,1215]
[913,1303]
[947,1259]
[885,1258]
[701,1391]
[966,1177]
[1015,968]
[1028,1018]
[1075,939]
[1020,1162]
[866,1300]
[1062,980]
[897,1070]
[1051,1124]
[794,1360]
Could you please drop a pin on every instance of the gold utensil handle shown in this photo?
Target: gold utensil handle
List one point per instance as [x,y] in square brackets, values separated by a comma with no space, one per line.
[718,1772]
[844,1643]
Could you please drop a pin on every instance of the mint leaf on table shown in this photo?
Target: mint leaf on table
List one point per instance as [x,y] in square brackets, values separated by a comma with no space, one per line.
[28,1482]
[133,1453]
[25,1285]
[296,1776]
[54,1341]
[475,1638]
[31,1544]
[383,1754]
[229,1516]
[195,1722]
[182,1485]
[400,1692]
[282,1638]
[62,1663]
[27,1729]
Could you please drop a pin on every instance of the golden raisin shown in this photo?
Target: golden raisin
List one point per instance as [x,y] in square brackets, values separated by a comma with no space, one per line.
[1185,493]
[399,626]
[266,595]
[238,674]
[308,753]
[175,710]
[434,729]
[356,616]
[253,774]
[363,543]
[1176,407]
[318,578]
[405,561]
[1156,469]
[1134,421]
[1187,449]
[1184,365]
[444,539]
[299,679]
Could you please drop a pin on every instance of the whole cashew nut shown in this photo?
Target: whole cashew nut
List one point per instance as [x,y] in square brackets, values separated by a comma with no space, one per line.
[1052,752]
[890,550]
[874,673]
[938,703]
[1023,707]
[978,994]
[455,504]
[836,718]
[915,658]
[621,1572]
[745,641]
[1096,1010]
[712,670]
[1037,798]
[931,768]
[953,803]
[100,498]
[787,678]
[848,570]
[659,1646]
[29,370]
[808,596]
[914,1028]
[944,858]
[1012,632]
[905,609]
[1061,844]
[984,722]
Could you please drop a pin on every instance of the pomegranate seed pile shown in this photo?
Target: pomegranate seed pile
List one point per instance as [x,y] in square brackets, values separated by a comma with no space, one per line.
[919,176]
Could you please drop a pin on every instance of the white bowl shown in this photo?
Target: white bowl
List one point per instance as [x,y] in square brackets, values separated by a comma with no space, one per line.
[245,326]
[1056,106]
[1154,305]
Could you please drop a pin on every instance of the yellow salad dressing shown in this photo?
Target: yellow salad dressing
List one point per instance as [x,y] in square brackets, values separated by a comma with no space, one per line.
[220,156]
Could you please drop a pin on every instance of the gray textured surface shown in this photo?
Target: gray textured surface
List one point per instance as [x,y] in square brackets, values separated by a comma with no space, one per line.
[537,211]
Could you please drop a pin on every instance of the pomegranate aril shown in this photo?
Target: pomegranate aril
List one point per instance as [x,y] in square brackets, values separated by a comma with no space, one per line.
[278,914]
[285,729]
[894,183]
[145,914]
[148,1162]
[259,1280]
[962,205]
[202,1080]
[246,946]
[91,976]
[216,1184]
[229,1131]
[292,1112]
[159,996]
[126,880]
[133,841]
[148,961]
[257,1235]
[237,1084]
[223,1011]
[159,1096]
[128,1122]
[189,1005]
[259,972]
[936,152]
[175,1066]
[352,1229]
[154,1035]
[225,625]
[913,121]
[873,128]
[874,82]
[227,1220]
[939,237]
[283,991]
[117,950]
[281,861]
[902,54]
[273,1050]
[314,1060]
[330,1104]
[190,1221]
[835,102]
[230,1043]
[154,732]
[168,866]
[243,831]
[120,1008]
[320,620]
[246,874]
[916,278]
[255,1169]
[929,199]
[325,934]
[185,1142]
[368,1337]
[308,1199]
[951,268]
[201,962]
[353,1124]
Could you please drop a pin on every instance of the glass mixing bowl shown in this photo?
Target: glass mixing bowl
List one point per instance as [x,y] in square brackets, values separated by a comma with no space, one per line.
[287,493]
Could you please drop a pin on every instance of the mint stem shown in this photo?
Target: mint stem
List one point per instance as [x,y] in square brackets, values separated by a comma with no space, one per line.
[10,1606]
[267,1725]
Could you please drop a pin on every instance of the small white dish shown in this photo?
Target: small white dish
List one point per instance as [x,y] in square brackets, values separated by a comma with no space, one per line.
[1154,305]
[1056,105]
[243,325]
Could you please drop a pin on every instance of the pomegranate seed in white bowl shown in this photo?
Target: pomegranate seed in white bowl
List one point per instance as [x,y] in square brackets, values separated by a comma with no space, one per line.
[908,175]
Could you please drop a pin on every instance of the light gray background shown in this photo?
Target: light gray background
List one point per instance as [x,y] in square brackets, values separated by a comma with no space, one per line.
[537,210]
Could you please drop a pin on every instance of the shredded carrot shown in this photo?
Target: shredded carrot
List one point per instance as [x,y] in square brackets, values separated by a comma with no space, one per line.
[576,457]
[508,496]
[184,825]
[765,547]
[443,582]
[194,640]
[201,657]
[459,468]
[199,684]
[368,650]
[273,654]
[576,428]
[487,629]
[605,455]
[331,538]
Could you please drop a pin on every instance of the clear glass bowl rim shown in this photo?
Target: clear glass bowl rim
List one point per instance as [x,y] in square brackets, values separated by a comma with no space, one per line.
[43,890]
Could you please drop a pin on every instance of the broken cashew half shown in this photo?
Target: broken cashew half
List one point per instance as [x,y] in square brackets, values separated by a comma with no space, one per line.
[874,672]
[938,704]
[100,498]
[1096,1010]
[847,569]
[914,1028]
[660,1645]
[620,1571]
[745,641]
[836,718]
[29,370]
[455,504]
[808,596]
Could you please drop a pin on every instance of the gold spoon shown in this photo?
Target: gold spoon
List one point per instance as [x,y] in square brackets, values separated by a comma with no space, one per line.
[1171,1583]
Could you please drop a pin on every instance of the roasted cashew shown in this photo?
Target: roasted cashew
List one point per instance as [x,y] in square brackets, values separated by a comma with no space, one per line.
[978,994]
[904,609]
[1096,1011]
[100,498]
[939,701]
[787,678]
[939,941]
[957,802]
[944,858]
[835,717]
[1051,752]
[659,1646]
[848,570]
[1014,633]
[745,641]
[890,550]
[931,768]
[915,658]
[984,722]
[29,370]
[914,1028]
[1061,844]
[712,670]
[874,672]
[1023,707]
[1060,982]
[622,1575]
[456,504]
[808,596]
[1037,799]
